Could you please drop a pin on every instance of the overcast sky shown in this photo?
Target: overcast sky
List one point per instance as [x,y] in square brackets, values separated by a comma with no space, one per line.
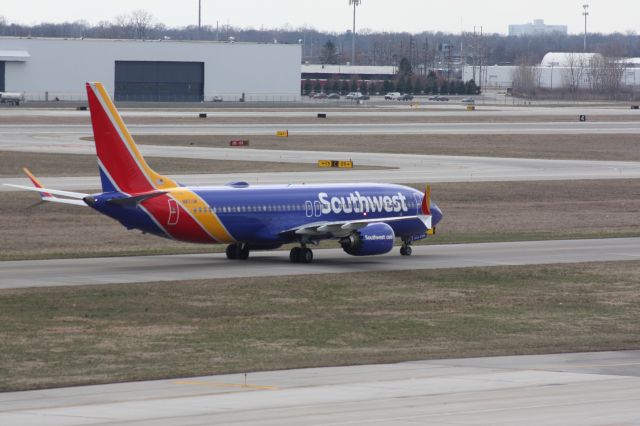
[334,15]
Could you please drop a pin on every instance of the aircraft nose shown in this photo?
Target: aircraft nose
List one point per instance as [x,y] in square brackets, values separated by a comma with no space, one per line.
[436,214]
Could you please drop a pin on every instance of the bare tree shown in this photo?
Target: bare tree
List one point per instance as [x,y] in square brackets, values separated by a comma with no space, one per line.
[574,73]
[142,23]
[526,78]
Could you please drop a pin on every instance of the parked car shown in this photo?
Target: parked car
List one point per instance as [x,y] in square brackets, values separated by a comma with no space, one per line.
[333,96]
[392,96]
[354,95]
[439,98]
[320,96]
[217,98]
[406,97]
[469,101]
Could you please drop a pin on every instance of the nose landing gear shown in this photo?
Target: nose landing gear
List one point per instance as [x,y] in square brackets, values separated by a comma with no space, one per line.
[405,250]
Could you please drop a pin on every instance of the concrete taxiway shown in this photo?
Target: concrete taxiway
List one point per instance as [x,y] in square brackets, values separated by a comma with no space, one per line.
[567,389]
[64,272]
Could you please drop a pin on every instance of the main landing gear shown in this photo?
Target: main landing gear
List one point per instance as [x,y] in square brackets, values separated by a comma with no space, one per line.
[301,255]
[405,250]
[237,252]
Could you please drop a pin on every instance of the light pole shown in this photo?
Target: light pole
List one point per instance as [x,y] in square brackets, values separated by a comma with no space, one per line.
[586,15]
[199,15]
[553,64]
[355,4]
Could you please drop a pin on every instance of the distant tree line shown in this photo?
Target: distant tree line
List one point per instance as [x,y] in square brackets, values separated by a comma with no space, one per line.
[424,50]
[432,84]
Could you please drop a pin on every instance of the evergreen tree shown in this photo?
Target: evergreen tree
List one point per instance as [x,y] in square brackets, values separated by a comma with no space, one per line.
[317,87]
[336,86]
[364,87]
[408,87]
[419,86]
[345,87]
[329,54]
[307,86]
[387,86]
[401,85]
[354,85]
[444,88]
[405,68]
[472,89]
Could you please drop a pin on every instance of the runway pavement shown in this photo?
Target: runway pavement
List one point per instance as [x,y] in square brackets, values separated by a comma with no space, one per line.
[566,389]
[41,273]
[541,128]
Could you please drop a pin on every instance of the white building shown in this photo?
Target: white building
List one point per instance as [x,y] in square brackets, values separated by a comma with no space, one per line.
[157,70]
[535,28]
[553,73]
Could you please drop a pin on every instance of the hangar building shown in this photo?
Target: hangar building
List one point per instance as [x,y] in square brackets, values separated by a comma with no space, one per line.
[150,70]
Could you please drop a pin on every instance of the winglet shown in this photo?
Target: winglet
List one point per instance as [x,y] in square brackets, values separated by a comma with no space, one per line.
[36,183]
[426,201]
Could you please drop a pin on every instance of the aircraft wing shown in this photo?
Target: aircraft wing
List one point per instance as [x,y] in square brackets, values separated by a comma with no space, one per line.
[75,198]
[344,228]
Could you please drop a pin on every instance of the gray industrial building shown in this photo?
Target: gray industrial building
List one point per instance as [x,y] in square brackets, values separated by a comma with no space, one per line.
[150,70]
[535,28]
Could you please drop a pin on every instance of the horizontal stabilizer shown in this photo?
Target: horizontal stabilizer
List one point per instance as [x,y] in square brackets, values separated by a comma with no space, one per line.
[76,195]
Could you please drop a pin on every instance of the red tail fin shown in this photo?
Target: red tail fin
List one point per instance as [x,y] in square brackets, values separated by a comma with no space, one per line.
[119,160]
[426,202]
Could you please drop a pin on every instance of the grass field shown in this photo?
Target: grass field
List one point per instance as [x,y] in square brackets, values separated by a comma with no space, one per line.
[80,335]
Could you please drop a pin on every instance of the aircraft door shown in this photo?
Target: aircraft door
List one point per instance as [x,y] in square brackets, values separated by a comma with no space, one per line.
[418,199]
[309,208]
[174,212]
[318,208]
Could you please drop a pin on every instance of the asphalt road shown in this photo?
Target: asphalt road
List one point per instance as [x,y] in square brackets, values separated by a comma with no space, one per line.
[41,273]
[541,128]
[568,389]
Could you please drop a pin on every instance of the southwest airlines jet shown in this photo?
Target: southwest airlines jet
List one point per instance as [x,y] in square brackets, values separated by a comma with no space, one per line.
[364,218]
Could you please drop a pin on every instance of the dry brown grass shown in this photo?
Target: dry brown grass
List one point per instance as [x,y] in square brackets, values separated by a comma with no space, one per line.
[571,147]
[473,212]
[82,335]
[11,164]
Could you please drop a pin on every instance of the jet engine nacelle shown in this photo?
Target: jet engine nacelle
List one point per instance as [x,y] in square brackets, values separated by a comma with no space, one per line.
[371,240]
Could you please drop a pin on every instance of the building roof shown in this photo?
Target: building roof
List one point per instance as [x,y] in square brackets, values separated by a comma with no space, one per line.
[14,55]
[563,59]
[348,69]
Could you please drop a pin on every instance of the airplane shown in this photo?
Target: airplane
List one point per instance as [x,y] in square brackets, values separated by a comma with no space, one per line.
[364,218]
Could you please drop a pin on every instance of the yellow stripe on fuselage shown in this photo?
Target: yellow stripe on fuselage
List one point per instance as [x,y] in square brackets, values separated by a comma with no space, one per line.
[203,213]
[158,181]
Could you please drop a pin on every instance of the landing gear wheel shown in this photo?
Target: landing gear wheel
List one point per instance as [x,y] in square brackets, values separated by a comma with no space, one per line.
[301,255]
[306,255]
[294,255]
[232,251]
[406,251]
[237,252]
